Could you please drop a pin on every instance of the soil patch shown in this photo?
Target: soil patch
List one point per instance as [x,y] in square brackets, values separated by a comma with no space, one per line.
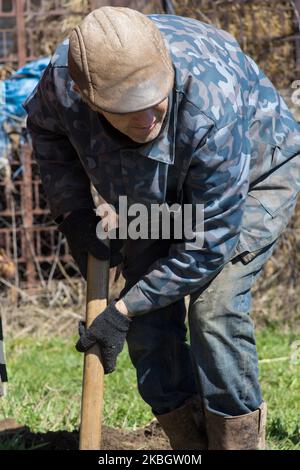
[15,435]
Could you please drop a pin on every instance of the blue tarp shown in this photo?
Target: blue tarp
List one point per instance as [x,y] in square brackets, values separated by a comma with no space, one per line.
[13,93]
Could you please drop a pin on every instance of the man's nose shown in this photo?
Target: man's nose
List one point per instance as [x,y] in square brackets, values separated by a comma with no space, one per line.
[144,118]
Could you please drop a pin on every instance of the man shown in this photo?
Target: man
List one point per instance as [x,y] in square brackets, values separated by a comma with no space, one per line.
[165,109]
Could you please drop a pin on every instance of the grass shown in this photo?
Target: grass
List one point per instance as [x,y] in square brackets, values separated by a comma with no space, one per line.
[45,387]
[280,382]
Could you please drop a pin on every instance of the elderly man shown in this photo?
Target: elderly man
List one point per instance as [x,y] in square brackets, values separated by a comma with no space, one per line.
[165,109]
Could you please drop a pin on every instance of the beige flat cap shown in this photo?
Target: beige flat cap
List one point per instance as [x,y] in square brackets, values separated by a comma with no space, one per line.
[119,60]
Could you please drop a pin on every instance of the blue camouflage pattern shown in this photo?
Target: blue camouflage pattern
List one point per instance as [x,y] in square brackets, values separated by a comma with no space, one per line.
[228,142]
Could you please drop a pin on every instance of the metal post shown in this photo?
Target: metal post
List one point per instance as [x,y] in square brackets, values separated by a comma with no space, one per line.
[19,4]
[297,41]
[27,210]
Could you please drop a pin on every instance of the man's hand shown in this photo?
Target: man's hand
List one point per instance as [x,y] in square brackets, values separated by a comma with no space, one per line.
[79,227]
[109,330]
[120,305]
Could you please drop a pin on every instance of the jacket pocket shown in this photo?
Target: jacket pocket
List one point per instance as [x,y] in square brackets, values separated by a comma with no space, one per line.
[263,222]
[269,207]
[248,257]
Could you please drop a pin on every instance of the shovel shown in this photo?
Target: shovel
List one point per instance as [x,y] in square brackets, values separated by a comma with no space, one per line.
[93,372]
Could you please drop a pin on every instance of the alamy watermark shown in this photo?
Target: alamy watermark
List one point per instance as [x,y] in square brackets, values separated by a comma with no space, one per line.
[295,96]
[153,221]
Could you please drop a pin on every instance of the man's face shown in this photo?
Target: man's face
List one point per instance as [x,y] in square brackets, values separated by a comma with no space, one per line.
[141,126]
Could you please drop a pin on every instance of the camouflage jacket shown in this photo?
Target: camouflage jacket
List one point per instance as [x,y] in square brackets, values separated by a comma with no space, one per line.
[228,142]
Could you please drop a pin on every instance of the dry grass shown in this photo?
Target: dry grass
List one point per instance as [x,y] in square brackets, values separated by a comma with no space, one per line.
[277,293]
[259,26]
[47,29]
[54,307]
[44,312]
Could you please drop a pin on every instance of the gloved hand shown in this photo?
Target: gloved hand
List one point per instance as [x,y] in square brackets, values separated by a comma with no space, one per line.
[109,330]
[79,227]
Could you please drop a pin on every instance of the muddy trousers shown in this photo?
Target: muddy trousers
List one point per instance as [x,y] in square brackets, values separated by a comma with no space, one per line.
[220,363]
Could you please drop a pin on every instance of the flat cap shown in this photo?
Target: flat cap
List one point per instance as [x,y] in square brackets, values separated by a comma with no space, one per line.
[120,61]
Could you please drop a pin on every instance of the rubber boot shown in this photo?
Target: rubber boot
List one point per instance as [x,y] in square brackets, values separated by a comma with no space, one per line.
[184,426]
[244,432]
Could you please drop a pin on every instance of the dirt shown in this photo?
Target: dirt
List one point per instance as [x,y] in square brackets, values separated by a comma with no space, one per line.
[150,437]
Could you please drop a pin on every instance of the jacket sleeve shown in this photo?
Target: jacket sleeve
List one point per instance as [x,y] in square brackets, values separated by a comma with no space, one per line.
[217,181]
[65,182]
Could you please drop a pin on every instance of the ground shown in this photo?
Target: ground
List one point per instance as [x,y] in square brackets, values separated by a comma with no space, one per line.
[44,394]
[150,437]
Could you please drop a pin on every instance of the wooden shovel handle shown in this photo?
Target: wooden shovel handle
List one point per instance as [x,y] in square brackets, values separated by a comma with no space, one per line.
[93,373]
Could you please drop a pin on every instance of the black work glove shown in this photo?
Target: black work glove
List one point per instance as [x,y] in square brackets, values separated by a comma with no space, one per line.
[79,227]
[109,330]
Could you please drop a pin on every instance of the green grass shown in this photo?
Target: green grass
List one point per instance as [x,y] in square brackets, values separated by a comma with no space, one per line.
[44,392]
[280,382]
[45,387]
